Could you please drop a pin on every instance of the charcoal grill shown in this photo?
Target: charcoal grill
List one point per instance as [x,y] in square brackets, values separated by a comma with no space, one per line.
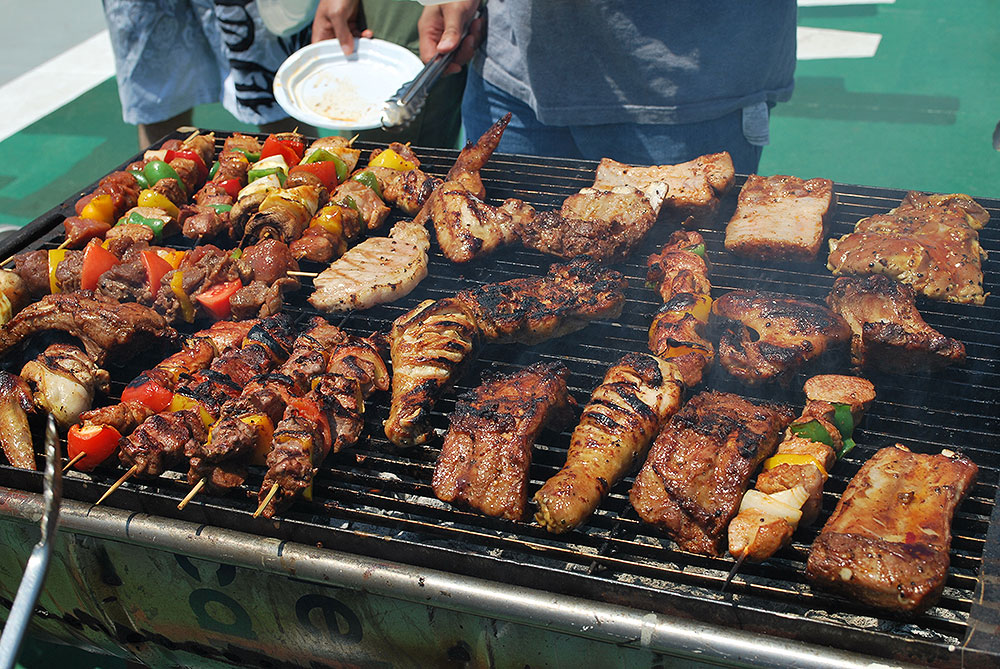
[508,592]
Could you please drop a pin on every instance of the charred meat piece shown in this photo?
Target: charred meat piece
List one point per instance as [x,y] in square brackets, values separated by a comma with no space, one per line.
[888,333]
[531,310]
[602,224]
[780,218]
[930,242]
[623,416]
[700,465]
[378,270]
[64,380]
[486,454]
[105,327]
[767,337]
[429,347]
[693,191]
[406,190]
[15,433]
[887,542]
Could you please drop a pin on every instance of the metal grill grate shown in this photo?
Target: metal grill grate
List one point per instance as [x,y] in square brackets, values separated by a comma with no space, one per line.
[377,501]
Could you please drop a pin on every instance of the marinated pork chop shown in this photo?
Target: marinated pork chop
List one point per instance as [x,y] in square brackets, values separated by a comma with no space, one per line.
[887,542]
[929,242]
[486,454]
[767,337]
[780,218]
[888,332]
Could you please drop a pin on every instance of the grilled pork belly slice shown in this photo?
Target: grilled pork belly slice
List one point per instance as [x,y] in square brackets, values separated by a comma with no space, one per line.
[602,224]
[532,309]
[780,218]
[930,242]
[486,454]
[887,542]
[888,333]
[378,270]
[767,337]
[694,188]
[625,412]
[700,465]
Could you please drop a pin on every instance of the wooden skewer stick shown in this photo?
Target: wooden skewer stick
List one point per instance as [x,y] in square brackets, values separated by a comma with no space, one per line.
[64,244]
[194,491]
[267,500]
[739,561]
[76,459]
[114,486]
[293,272]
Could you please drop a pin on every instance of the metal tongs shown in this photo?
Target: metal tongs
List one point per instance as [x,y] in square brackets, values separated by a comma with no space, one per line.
[38,562]
[406,103]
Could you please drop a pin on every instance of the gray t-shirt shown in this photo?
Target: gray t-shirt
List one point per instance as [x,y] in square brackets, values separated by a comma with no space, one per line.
[588,62]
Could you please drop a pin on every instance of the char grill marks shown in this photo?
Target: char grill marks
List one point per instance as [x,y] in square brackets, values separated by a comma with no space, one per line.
[887,541]
[486,454]
[162,439]
[700,465]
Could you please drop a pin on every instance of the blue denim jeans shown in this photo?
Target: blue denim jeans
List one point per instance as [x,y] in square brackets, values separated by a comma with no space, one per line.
[631,143]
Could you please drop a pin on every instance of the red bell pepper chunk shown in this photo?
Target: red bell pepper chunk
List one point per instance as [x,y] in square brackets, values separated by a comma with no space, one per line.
[149,393]
[290,150]
[156,267]
[325,171]
[232,186]
[97,442]
[193,156]
[215,300]
[96,261]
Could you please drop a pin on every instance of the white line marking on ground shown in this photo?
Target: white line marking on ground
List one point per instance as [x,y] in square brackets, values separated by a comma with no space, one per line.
[817,43]
[39,92]
[834,3]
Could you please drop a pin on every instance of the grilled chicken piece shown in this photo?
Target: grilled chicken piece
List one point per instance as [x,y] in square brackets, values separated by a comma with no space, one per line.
[602,224]
[930,242]
[700,464]
[767,337]
[780,218]
[15,433]
[429,346]
[474,157]
[378,270]
[64,380]
[486,454]
[531,310]
[789,492]
[887,542]
[371,208]
[106,327]
[625,412]
[13,295]
[888,333]
[694,188]
[407,190]
[283,214]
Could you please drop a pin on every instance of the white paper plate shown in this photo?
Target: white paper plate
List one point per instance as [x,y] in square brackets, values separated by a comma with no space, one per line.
[321,86]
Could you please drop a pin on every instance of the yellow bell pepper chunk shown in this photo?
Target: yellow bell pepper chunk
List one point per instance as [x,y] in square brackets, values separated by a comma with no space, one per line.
[678,351]
[56,256]
[392,160]
[100,208]
[265,435]
[182,403]
[702,308]
[330,219]
[177,286]
[794,459]
[173,258]
[151,198]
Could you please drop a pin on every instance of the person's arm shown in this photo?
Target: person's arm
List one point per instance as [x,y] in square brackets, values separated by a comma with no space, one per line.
[338,19]
[441,28]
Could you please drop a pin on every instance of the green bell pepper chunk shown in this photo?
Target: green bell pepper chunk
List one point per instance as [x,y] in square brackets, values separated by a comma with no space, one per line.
[221,208]
[215,169]
[813,431]
[848,445]
[698,250]
[253,175]
[322,156]
[135,218]
[236,254]
[368,178]
[140,178]
[843,419]
[157,169]
[252,157]
[348,201]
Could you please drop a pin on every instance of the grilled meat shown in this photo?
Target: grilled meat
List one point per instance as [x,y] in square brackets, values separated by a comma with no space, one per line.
[13,295]
[64,380]
[888,333]
[486,454]
[693,191]
[371,209]
[625,412]
[378,270]
[429,346]
[887,542]
[780,218]
[122,188]
[767,337]
[104,326]
[406,190]
[790,489]
[531,310]
[602,224]
[15,433]
[930,242]
[700,464]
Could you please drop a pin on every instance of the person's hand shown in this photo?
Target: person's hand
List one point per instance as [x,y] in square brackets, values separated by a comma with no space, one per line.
[441,28]
[338,19]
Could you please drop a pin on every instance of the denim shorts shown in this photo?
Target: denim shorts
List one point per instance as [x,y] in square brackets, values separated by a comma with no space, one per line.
[633,143]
